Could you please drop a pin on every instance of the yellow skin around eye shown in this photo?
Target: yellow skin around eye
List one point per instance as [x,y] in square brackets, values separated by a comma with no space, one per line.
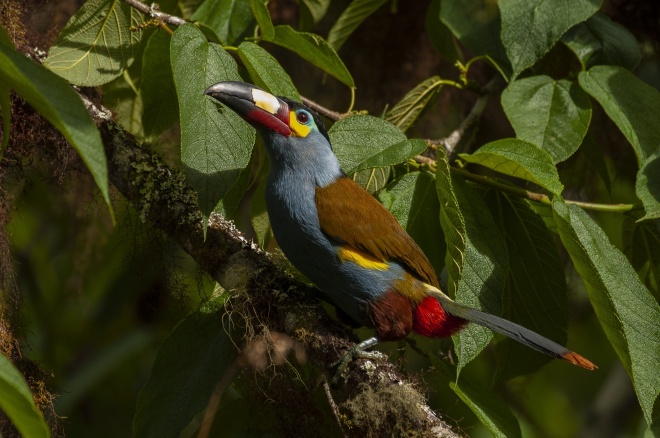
[298,129]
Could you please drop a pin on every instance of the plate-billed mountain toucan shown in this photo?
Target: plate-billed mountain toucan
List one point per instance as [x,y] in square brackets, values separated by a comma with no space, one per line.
[344,240]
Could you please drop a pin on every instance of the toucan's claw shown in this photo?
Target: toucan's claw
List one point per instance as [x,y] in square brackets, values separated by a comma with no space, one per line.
[357,352]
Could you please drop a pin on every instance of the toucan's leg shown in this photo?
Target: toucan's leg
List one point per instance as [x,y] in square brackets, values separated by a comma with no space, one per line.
[357,352]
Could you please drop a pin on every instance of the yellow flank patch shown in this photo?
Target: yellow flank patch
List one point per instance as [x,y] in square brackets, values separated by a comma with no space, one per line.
[362,259]
[297,128]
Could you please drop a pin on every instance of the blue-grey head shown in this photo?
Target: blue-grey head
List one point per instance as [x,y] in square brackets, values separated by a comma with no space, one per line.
[293,133]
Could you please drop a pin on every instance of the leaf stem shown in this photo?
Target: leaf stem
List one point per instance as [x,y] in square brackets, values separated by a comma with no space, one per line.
[533,196]
[350,107]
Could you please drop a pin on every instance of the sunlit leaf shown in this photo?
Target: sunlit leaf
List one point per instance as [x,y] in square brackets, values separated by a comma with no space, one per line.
[519,159]
[625,308]
[374,179]
[531,27]
[361,142]
[96,45]
[554,115]
[315,50]
[262,16]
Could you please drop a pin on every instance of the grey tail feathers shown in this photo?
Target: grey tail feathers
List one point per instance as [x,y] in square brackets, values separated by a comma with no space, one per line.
[510,329]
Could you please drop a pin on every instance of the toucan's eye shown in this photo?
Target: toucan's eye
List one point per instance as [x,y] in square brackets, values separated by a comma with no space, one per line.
[302,117]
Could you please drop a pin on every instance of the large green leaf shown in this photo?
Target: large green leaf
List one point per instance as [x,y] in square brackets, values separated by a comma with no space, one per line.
[229,19]
[350,19]
[54,99]
[16,402]
[266,72]
[600,40]
[216,143]
[262,16]
[492,411]
[476,257]
[189,364]
[633,105]
[362,142]
[413,200]
[625,308]
[554,115]
[536,286]
[531,27]
[519,159]
[96,45]
[648,186]
[315,50]
[477,24]
[406,112]
[644,253]
[160,107]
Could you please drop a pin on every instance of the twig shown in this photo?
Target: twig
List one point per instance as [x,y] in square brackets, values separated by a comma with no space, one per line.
[452,141]
[333,406]
[153,12]
[332,115]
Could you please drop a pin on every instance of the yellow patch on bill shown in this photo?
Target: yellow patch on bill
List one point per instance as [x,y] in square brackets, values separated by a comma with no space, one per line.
[347,254]
[299,129]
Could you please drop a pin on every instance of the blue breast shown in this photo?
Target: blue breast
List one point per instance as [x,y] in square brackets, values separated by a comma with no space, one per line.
[290,200]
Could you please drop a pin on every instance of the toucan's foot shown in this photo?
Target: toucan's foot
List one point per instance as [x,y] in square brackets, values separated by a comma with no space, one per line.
[356,352]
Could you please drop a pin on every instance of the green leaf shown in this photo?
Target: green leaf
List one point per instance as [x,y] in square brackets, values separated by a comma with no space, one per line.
[315,50]
[644,253]
[216,143]
[96,45]
[16,402]
[160,107]
[476,257]
[476,23]
[406,112]
[648,186]
[631,104]
[266,72]
[229,19]
[553,115]
[350,19]
[54,99]
[440,35]
[259,216]
[260,11]
[413,200]
[311,12]
[361,142]
[189,364]
[599,40]
[374,179]
[625,308]
[492,411]
[531,27]
[536,287]
[519,159]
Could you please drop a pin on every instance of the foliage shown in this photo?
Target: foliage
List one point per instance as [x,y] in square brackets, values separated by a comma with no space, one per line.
[498,216]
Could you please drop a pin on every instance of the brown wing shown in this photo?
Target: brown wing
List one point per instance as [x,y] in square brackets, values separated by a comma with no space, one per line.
[350,214]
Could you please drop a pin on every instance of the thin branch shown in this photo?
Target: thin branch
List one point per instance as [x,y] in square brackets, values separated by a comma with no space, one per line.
[153,12]
[332,115]
[534,196]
